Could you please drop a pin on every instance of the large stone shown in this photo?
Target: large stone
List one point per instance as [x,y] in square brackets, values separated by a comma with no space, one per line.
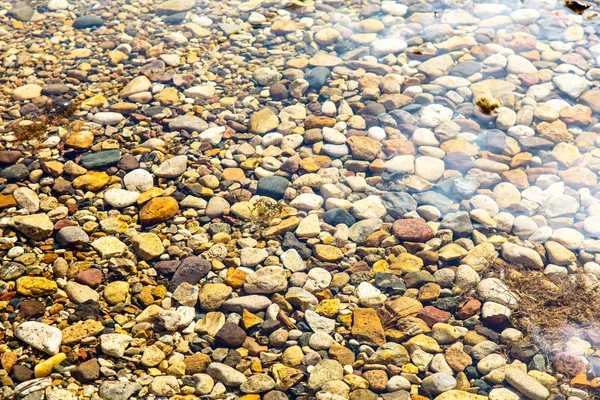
[77,332]
[513,253]
[35,286]
[40,336]
[174,6]
[526,384]
[158,209]
[266,280]
[35,226]
[191,270]
[263,121]
[172,168]
[226,374]
[118,390]
[367,327]
[325,371]
[147,245]
[412,230]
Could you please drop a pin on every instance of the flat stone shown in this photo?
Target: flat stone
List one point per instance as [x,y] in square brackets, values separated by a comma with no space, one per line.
[40,336]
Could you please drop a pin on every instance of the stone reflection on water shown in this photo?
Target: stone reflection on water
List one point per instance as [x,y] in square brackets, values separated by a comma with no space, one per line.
[339,199]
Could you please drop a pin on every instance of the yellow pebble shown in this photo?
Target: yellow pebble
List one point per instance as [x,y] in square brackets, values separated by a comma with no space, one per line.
[256,366]
[381,266]
[45,367]
[221,237]
[410,369]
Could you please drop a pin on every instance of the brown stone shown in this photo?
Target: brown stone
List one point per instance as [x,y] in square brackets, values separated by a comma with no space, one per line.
[263,121]
[555,132]
[213,295]
[8,360]
[158,209]
[577,114]
[29,307]
[7,201]
[80,140]
[569,364]
[403,306]
[364,148]
[367,327]
[92,181]
[87,371]
[592,99]
[10,157]
[318,122]
[579,177]
[342,354]
[254,348]
[196,363]
[233,174]
[91,277]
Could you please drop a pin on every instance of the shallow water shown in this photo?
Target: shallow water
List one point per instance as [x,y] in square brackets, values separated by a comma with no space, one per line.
[328,177]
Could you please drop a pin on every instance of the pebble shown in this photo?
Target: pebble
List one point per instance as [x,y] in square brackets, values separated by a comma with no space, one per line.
[323,201]
[40,336]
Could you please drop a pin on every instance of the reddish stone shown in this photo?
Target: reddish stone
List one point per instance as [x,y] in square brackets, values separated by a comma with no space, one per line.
[377,380]
[87,371]
[355,132]
[412,230]
[63,223]
[529,79]
[569,364]
[91,277]
[470,309]
[358,267]
[432,315]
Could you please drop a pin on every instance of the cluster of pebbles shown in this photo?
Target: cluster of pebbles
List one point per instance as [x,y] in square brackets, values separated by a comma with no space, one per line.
[292,199]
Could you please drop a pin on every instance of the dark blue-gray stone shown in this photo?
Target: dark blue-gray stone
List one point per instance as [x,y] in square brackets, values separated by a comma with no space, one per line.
[458,161]
[398,203]
[389,281]
[435,199]
[459,223]
[317,77]
[338,216]
[15,172]
[175,19]
[272,186]
[465,187]
[88,21]
[291,242]
[101,159]
[495,140]
[466,68]
[191,270]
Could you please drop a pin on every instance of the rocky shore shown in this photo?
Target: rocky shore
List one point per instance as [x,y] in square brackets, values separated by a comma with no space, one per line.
[294,199]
